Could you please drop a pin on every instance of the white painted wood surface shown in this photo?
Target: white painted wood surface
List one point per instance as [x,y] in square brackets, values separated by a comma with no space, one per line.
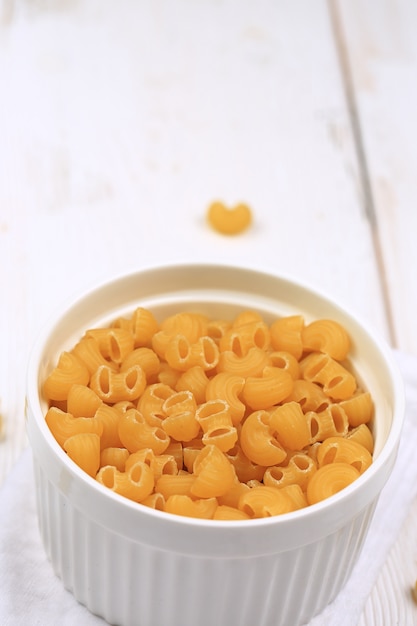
[120,122]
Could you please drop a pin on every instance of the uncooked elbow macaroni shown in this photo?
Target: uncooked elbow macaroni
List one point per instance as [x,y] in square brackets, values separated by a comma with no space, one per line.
[212,418]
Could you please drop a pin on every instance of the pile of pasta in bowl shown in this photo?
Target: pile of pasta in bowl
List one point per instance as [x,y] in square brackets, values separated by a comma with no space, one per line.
[222,419]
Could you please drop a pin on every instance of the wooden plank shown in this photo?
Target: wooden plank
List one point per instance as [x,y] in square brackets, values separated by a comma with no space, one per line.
[381,38]
[120,122]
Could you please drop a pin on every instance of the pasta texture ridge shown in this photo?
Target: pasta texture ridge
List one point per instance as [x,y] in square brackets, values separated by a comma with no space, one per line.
[220,419]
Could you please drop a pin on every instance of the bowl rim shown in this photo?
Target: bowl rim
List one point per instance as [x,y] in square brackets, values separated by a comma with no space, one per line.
[386,456]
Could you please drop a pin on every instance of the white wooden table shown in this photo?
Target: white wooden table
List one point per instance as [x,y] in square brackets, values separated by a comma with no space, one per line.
[121,121]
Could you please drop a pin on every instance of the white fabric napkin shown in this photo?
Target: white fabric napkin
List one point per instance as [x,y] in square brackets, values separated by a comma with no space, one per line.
[30,593]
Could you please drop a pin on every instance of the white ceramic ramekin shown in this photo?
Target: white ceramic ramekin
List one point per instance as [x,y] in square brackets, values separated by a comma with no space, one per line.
[135,566]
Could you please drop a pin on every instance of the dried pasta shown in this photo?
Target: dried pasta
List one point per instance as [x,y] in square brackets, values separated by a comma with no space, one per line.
[213,418]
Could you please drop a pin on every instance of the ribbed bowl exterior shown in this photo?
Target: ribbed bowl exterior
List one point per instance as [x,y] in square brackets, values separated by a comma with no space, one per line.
[138,567]
[132,584]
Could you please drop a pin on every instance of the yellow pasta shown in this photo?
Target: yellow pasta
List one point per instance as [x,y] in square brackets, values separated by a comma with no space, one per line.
[113,386]
[266,501]
[363,435]
[326,336]
[109,417]
[216,423]
[228,387]
[329,480]
[272,387]
[343,450]
[298,470]
[146,359]
[84,450]
[252,364]
[88,351]
[218,419]
[229,221]
[310,396]
[242,337]
[114,456]
[151,403]
[359,408]
[180,422]
[82,401]
[195,380]
[290,424]
[203,508]
[137,483]
[135,433]
[63,425]
[331,422]
[286,335]
[338,383]
[285,361]
[114,343]
[69,371]
[174,484]
[144,326]
[214,474]
[258,441]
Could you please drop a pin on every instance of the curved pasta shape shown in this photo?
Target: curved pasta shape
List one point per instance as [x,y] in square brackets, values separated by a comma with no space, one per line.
[290,425]
[205,353]
[192,326]
[310,396]
[241,338]
[225,512]
[363,435]
[69,371]
[109,417]
[228,387]
[84,450]
[229,221]
[258,441]
[247,316]
[252,364]
[135,433]
[171,485]
[285,361]
[214,474]
[286,335]
[343,450]
[175,450]
[359,408]
[146,359]
[82,401]
[191,450]
[266,501]
[298,470]
[113,386]
[137,483]
[63,425]
[274,386]
[329,480]
[180,422]
[114,343]
[216,329]
[114,456]
[168,376]
[178,353]
[151,403]
[245,469]
[195,380]
[144,326]
[155,501]
[326,336]
[184,505]
[331,422]
[159,463]
[88,351]
[338,383]
[215,420]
